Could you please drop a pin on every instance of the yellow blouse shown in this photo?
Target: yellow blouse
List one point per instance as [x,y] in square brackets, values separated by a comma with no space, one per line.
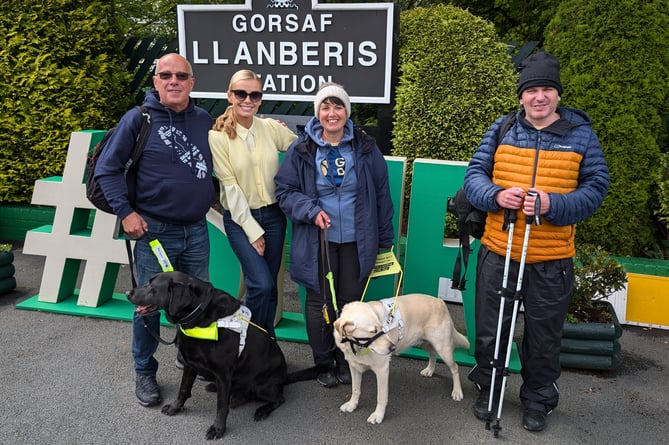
[245,167]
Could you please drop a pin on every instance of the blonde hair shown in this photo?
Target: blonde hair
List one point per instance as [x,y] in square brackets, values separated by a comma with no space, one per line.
[227,122]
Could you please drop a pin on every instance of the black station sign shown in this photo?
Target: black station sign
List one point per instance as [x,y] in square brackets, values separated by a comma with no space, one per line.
[293,45]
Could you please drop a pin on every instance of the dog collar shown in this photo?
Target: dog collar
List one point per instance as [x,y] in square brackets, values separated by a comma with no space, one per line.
[237,322]
[391,320]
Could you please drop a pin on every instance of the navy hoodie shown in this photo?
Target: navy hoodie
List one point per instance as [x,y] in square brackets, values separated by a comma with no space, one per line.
[174,176]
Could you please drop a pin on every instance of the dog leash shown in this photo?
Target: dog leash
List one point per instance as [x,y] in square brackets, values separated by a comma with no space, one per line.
[329,277]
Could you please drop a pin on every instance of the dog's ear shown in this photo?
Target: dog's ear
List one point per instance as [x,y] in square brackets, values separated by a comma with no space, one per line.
[337,325]
[172,309]
[345,327]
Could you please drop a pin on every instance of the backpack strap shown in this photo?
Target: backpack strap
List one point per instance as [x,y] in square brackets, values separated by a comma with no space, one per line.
[507,123]
[462,208]
[131,176]
[138,149]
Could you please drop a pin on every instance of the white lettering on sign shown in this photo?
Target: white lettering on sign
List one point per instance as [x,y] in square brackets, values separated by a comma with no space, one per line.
[217,59]
[295,43]
[291,82]
[279,23]
[196,54]
[290,53]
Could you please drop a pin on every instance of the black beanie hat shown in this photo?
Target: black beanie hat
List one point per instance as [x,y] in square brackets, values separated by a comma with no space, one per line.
[539,70]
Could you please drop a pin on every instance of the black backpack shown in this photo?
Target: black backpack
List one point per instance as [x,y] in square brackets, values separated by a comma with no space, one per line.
[93,190]
[470,221]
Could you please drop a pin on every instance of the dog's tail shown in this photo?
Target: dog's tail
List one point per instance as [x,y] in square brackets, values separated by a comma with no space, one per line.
[459,340]
[303,375]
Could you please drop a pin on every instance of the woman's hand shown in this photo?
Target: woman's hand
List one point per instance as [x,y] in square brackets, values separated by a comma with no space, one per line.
[322,220]
[259,245]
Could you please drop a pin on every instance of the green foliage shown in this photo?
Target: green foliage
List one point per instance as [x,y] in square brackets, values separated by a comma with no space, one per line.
[61,71]
[455,79]
[663,190]
[521,20]
[615,66]
[514,19]
[143,18]
[596,276]
[5,247]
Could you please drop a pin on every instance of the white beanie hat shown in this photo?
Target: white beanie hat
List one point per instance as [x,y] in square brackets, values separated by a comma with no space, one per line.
[331,89]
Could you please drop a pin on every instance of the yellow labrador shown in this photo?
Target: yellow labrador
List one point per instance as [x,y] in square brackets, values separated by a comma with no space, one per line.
[369,333]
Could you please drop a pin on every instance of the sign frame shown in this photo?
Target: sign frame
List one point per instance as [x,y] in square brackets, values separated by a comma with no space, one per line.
[187,49]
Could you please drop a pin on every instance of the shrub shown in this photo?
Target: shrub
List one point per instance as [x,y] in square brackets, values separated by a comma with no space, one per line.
[455,79]
[62,71]
[615,66]
[596,277]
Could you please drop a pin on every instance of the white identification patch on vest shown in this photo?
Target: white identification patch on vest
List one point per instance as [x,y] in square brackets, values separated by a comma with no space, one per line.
[392,320]
[237,322]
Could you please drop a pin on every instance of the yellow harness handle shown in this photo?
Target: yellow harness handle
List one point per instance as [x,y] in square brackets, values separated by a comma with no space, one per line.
[386,264]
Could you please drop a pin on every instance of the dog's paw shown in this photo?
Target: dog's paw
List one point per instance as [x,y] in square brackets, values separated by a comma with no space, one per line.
[171,409]
[348,407]
[376,417]
[427,372]
[215,433]
[457,394]
[262,413]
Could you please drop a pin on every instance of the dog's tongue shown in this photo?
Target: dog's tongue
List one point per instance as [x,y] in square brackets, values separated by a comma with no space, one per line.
[142,310]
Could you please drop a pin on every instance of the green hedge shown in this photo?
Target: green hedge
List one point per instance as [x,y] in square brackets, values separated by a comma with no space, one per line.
[455,79]
[61,71]
[615,66]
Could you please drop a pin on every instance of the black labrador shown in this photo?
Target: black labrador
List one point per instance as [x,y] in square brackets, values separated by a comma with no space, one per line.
[246,363]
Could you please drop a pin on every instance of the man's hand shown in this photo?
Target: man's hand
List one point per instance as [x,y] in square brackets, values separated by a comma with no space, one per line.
[134,226]
[530,201]
[511,198]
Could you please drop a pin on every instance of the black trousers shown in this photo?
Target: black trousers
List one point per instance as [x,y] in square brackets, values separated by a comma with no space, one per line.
[348,287]
[547,290]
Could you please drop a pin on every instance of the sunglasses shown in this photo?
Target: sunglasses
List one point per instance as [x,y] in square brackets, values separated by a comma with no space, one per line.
[166,75]
[242,95]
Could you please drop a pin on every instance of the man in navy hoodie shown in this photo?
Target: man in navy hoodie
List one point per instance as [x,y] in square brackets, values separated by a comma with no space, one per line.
[173,194]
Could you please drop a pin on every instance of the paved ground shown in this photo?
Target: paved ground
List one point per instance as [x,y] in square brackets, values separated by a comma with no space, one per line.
[69,380]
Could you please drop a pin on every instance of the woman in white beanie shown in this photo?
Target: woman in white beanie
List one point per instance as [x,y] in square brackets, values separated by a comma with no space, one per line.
[245,153]
[333,185]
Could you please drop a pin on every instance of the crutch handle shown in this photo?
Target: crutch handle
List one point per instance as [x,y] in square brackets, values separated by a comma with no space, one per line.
[537,210]
[510,217]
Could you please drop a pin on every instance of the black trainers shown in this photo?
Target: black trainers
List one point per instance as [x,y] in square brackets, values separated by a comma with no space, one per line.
[343,374]
[327,379]
[147,390]
[481,405]
[534,420]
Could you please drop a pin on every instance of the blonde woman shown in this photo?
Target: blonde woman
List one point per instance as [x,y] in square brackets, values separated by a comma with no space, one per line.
[245,155]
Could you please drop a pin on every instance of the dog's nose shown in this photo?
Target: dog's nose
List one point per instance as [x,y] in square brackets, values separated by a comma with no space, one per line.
[392,348]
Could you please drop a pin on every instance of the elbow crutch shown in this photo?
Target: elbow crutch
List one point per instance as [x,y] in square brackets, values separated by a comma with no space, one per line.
[510,219]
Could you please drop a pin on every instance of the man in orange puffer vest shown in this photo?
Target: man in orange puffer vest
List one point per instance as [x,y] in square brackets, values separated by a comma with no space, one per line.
[552,152]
